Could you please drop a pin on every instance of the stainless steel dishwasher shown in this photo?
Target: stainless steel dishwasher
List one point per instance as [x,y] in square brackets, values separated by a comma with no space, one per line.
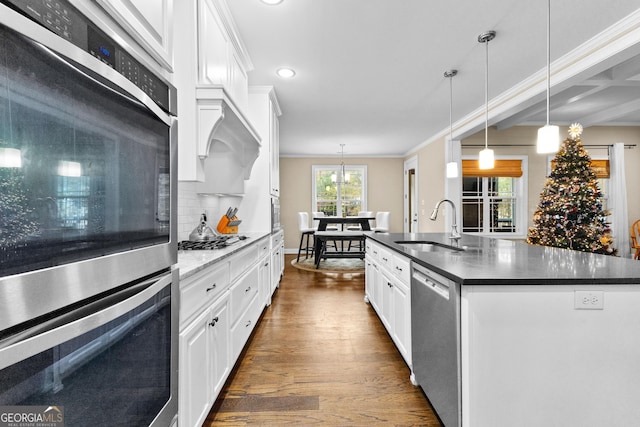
[435,339]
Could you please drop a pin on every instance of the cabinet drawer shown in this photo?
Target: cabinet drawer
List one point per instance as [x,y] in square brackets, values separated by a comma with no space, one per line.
[241,331]
[401,268]
[264,246]
[200,290]
[241,261]
[373,249]
[368,246]
[276,239]
[243,292]
[385,257]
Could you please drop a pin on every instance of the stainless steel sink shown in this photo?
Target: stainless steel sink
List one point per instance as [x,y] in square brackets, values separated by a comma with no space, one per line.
[428,246]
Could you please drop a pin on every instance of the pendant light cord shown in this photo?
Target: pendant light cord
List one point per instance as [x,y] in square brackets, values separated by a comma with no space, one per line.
[548,56]
[486,98]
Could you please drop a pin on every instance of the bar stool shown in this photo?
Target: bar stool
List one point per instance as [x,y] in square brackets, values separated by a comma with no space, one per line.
[382,222]
[305,230]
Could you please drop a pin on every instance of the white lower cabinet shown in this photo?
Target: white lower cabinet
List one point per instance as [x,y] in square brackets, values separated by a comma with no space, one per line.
[204,362]
[387,287]
[277,259]
[219,308]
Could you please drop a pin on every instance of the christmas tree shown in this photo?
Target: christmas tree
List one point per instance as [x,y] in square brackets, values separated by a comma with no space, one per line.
[570,213]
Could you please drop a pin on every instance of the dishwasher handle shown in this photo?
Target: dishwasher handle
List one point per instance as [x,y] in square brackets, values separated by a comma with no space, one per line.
[441,289]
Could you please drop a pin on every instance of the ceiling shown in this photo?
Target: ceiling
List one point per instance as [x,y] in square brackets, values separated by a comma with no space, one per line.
[370,73]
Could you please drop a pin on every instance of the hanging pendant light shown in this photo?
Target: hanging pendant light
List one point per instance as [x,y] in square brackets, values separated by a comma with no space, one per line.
[548,135]
[486,158]
[452,167]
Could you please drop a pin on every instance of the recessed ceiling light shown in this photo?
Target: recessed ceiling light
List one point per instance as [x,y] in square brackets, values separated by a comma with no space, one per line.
[286,73]
[272,1]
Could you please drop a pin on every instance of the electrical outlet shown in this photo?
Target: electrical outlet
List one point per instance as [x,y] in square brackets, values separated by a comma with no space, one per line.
[589,300]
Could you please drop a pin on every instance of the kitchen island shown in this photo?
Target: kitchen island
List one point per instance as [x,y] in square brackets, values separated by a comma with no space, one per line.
[547,336]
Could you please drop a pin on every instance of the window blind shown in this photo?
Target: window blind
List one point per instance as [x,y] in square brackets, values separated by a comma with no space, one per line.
[502,168]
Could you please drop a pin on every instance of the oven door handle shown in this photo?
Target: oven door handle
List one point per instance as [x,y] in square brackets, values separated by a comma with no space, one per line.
[79,320]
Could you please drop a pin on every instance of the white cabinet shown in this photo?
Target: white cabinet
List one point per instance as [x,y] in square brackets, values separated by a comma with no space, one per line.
[204,362]
[277,259]
[219,308]
[387,287]
[149,23]
[274,146]
[210,74]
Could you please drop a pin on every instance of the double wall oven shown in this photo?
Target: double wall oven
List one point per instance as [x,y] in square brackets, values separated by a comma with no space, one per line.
[88,285]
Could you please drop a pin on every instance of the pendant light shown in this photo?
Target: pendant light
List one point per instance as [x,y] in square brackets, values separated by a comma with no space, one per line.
[486,158]
[452,167]
[548,135]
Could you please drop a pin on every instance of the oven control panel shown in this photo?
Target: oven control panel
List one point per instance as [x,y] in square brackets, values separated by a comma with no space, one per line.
[64,20]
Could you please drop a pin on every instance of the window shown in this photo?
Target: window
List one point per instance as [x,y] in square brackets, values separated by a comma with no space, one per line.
[337,198]
[495,204]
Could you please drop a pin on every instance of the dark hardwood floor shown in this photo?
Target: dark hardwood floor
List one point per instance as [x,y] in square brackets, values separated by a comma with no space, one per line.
[320,356]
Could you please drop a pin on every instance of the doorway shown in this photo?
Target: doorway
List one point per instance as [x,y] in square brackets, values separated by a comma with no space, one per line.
[411,195]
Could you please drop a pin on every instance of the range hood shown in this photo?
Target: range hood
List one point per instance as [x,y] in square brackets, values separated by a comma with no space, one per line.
[227,143]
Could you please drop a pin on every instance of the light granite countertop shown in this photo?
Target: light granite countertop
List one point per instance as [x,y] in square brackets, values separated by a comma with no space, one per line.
[192,261]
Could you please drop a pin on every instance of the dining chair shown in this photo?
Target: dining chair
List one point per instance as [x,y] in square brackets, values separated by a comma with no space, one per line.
[635,239]
[382,222]
[305,231]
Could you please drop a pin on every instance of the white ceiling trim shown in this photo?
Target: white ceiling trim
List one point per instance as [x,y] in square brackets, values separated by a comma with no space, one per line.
[622,38]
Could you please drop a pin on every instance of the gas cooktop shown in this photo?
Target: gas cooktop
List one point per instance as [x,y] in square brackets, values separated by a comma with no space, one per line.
[218,242]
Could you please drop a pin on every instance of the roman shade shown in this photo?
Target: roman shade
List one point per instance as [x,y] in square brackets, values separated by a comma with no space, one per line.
[502,168]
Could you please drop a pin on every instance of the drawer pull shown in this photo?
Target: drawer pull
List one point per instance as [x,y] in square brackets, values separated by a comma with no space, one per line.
[214,321]
[212,287]
[385,259]
[398,268]
[248,324]
[248,289]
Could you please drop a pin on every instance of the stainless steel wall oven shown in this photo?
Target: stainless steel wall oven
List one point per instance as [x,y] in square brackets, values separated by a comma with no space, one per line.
[88,236]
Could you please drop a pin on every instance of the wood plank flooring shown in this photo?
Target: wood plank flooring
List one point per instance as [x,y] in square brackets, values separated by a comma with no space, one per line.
[320,356]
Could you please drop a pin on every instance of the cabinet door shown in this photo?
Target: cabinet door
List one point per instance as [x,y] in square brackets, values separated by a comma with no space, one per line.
[386,300]
[265,280]
[213,55]
[274,150]
[369,272]
[402,320]
[150,23]
[195,372]
[219,345]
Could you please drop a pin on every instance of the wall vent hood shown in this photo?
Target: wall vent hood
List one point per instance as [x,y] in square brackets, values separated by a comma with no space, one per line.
[227,143]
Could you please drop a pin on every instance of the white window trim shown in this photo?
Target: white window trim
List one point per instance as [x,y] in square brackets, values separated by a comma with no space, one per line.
[522,200]
[336,167]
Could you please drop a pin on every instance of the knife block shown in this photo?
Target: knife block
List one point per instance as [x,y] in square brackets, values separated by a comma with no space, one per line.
[225,227]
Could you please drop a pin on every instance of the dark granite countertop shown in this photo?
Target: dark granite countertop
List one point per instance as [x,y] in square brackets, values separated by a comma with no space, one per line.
[485,261]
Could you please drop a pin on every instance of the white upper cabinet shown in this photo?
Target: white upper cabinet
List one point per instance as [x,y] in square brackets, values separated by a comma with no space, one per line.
[218,144]
[149,23]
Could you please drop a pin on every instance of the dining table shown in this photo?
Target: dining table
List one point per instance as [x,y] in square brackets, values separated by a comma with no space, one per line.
[363,221]
[323,235]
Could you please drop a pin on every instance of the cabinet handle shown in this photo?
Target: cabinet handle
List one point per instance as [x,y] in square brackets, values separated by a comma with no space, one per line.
[212,287]
[248,289]
[385,259]
[398,268]
[214,321]
[248,324]
[266,264]
[389,284]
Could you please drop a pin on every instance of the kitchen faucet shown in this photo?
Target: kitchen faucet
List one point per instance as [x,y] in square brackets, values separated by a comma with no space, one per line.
[454,226]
